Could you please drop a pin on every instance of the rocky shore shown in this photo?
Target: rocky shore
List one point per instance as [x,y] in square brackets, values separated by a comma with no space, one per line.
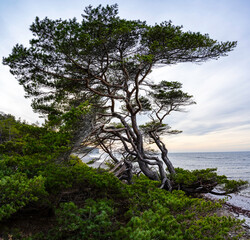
[237,206]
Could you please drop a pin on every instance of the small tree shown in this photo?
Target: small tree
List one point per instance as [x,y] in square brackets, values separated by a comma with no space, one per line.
[111,58]
[8,128]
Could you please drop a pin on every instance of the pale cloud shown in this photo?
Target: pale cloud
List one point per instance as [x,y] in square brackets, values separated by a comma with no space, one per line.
[231,139]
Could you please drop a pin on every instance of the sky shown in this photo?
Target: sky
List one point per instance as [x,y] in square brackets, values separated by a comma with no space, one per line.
[220,121]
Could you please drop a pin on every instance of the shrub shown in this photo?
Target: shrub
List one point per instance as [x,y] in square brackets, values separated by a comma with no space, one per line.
[17,191]
[204,180]
[93,221]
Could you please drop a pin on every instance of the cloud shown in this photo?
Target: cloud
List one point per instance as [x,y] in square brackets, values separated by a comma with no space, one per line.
[233,139]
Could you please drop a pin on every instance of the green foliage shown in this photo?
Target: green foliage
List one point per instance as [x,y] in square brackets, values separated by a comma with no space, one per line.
[35,140]
[218,227]
[233,185]
[91,161]
[145,104]
[113,210]
[8,128]
[23,163]
[170,94]
[93,221]
[158,214]
[77,54]
[63,176]
[159,223]
[176,201]
[154,126]
[206,177]
[188,177]
[110,163]
[117,125]
[68,121]
[17,191]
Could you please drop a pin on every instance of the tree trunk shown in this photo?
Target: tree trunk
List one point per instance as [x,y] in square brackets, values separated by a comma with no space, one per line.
[164,153]
[147,171]
[168,163]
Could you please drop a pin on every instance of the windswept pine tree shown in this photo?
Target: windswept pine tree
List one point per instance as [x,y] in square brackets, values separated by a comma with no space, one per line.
[107,60]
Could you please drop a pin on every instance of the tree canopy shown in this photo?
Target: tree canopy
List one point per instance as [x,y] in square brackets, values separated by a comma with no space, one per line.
[107,60]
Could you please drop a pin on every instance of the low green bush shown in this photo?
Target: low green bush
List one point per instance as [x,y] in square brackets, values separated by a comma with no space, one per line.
[207,178]
[157,214]
[93,221]
[17,191]
[89,203]
[159,223]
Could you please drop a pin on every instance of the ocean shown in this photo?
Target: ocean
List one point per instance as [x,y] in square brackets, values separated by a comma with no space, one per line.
[235,165]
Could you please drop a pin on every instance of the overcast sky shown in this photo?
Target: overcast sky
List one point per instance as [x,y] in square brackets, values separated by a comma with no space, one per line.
[220,121]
